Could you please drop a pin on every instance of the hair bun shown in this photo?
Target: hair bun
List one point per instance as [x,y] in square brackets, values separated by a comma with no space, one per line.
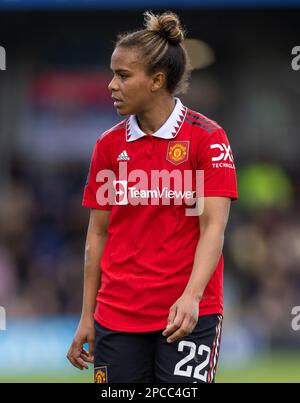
[167,25]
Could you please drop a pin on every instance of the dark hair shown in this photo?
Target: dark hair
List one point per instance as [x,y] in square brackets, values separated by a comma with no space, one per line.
[161,43]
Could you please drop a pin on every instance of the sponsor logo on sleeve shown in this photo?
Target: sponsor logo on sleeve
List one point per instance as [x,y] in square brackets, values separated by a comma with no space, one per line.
[223,156]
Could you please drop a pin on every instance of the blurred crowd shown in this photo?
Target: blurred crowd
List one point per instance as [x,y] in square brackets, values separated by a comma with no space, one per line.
[42,242]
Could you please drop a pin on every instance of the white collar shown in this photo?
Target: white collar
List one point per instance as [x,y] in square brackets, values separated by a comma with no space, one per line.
[168,130]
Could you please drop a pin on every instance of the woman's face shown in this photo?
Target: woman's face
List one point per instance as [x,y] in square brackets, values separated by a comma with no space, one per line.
[131,85]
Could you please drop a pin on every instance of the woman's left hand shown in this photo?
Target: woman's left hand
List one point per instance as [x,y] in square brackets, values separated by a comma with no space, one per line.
[182,318]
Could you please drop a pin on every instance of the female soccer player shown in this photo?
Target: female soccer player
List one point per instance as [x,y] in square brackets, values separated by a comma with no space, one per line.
[155,271]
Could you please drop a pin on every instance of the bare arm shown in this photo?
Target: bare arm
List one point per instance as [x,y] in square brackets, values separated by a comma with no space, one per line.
[184,312]
[212,223]
[94,246]
[95,243]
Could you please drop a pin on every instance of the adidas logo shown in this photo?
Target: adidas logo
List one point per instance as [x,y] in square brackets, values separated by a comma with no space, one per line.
[123,156]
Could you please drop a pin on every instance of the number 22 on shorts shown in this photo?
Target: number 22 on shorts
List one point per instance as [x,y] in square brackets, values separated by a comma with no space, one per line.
[188,371]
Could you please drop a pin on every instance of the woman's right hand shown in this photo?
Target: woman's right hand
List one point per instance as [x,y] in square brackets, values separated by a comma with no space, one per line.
[85,333]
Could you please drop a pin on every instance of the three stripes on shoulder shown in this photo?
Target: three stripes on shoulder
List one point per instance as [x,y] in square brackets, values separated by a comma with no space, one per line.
[201,121]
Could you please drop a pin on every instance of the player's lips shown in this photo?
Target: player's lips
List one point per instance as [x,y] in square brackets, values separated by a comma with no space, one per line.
[117,101]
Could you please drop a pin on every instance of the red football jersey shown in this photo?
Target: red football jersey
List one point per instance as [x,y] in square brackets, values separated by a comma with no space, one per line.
[149,254]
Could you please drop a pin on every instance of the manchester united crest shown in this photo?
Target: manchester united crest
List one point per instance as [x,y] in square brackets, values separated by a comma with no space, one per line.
[178,151]
[100,375]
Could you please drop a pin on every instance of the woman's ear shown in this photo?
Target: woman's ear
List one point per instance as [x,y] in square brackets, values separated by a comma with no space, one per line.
[158,81]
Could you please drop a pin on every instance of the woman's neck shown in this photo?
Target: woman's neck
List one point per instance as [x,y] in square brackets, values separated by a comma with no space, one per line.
[153,119]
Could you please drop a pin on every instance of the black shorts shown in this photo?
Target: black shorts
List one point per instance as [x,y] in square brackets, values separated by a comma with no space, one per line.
[123,357]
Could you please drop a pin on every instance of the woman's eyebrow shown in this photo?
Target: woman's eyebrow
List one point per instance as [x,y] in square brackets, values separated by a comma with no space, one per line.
[120,70]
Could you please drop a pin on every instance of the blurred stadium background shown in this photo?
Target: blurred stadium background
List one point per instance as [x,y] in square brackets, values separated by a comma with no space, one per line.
[54,103]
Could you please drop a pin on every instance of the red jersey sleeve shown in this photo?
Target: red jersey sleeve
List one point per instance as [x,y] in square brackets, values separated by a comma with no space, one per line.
[216,160]
[100,161]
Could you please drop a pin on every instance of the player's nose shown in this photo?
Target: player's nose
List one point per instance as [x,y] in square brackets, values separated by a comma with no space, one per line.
[113,85]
